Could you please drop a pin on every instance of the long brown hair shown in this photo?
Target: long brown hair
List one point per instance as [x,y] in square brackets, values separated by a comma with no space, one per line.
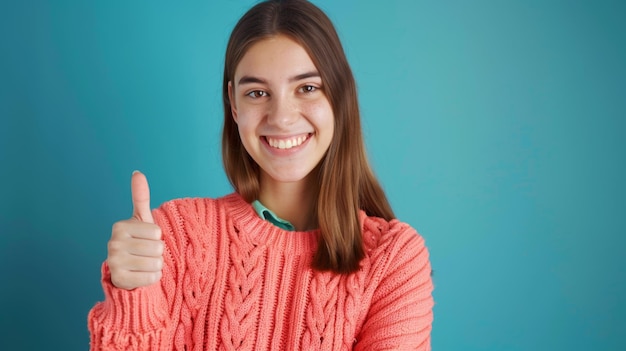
[346,181]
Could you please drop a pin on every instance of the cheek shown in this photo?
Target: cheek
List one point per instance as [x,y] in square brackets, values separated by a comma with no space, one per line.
[321,114]
[248,118]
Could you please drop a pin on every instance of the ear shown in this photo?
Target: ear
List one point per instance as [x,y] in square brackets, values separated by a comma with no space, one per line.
[231,98]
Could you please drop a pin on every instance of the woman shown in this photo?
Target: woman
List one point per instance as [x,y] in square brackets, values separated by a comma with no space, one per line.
[306,254]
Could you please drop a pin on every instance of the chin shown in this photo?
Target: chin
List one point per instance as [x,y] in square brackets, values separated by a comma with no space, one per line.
[289,176]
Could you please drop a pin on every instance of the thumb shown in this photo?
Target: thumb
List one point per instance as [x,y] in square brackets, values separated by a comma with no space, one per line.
[140,192]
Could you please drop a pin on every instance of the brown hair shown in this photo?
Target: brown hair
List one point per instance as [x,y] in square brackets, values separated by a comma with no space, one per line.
[346,181]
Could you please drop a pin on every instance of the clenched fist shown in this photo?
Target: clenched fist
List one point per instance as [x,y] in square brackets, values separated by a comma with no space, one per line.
[135,251]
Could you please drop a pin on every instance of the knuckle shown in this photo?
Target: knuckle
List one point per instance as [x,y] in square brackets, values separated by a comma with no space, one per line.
[120,281]
[159,248]
[158,233]
[156,276]
[113,246]
[120,229]
[147,279]
[118,226]
[158,264]
[113,263]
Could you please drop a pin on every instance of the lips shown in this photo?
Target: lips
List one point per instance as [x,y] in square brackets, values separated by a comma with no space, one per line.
[287,143]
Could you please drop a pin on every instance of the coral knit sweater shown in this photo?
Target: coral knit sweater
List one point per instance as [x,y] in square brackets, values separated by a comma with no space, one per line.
[233,281]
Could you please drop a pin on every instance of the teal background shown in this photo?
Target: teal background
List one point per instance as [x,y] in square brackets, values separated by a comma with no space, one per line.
[496,127]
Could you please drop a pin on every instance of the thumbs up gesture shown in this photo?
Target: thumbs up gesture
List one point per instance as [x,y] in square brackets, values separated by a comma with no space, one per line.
[135,250]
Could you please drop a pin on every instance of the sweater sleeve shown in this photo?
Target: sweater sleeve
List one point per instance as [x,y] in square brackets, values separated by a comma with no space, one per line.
[400,315]
[137,319]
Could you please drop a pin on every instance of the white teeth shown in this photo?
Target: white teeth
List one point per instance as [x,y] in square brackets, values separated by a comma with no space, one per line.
[286,143]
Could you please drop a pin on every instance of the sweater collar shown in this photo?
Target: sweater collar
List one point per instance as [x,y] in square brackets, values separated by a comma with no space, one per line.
[270,216]
[261,232]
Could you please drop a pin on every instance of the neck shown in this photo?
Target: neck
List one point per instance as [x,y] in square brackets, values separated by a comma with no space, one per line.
[291,201]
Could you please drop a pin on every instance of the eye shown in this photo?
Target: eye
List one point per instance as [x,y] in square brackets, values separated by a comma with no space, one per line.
[307,89]
[255,94]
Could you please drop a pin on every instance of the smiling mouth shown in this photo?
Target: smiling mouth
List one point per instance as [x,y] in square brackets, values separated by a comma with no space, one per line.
[287,143]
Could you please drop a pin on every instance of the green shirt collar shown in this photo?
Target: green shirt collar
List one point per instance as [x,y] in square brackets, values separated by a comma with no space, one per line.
[270,216]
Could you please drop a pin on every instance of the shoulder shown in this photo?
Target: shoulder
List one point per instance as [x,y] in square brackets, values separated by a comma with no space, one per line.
[198,209]
[393,243]
[198,204]
[381,234]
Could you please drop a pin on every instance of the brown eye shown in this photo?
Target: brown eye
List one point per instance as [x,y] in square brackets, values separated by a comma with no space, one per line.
[255,94]
[307,89]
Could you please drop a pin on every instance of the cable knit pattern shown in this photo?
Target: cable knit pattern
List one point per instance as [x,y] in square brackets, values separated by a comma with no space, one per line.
[321,312]
[243,296]
[232,281]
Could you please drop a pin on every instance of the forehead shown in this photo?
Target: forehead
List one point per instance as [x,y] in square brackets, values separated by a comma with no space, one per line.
[275,57]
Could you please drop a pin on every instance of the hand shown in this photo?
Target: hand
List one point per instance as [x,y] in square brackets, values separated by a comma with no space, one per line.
[135,251]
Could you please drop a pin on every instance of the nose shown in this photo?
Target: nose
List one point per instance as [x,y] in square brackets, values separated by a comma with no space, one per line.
[283,111]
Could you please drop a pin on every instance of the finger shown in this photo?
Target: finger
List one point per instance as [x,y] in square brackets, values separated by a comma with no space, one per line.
[129,263]
[134,229]
[140,192]
[130,280]
[144,264]
[146,248]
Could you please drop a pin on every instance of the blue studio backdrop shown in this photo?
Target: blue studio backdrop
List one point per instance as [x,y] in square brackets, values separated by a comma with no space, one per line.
[496,127]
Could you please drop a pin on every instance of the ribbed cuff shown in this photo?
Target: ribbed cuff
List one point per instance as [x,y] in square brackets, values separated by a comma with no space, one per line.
[128,317]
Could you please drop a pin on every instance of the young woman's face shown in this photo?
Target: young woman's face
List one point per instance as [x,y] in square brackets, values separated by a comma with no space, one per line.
[285,120]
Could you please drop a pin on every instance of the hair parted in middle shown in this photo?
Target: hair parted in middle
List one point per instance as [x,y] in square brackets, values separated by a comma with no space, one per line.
[346,181]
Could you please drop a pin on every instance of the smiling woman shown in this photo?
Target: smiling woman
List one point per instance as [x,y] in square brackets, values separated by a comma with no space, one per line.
[306,253]
[285,123]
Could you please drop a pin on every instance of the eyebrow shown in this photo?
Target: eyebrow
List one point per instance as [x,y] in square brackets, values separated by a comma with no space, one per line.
[252,79]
